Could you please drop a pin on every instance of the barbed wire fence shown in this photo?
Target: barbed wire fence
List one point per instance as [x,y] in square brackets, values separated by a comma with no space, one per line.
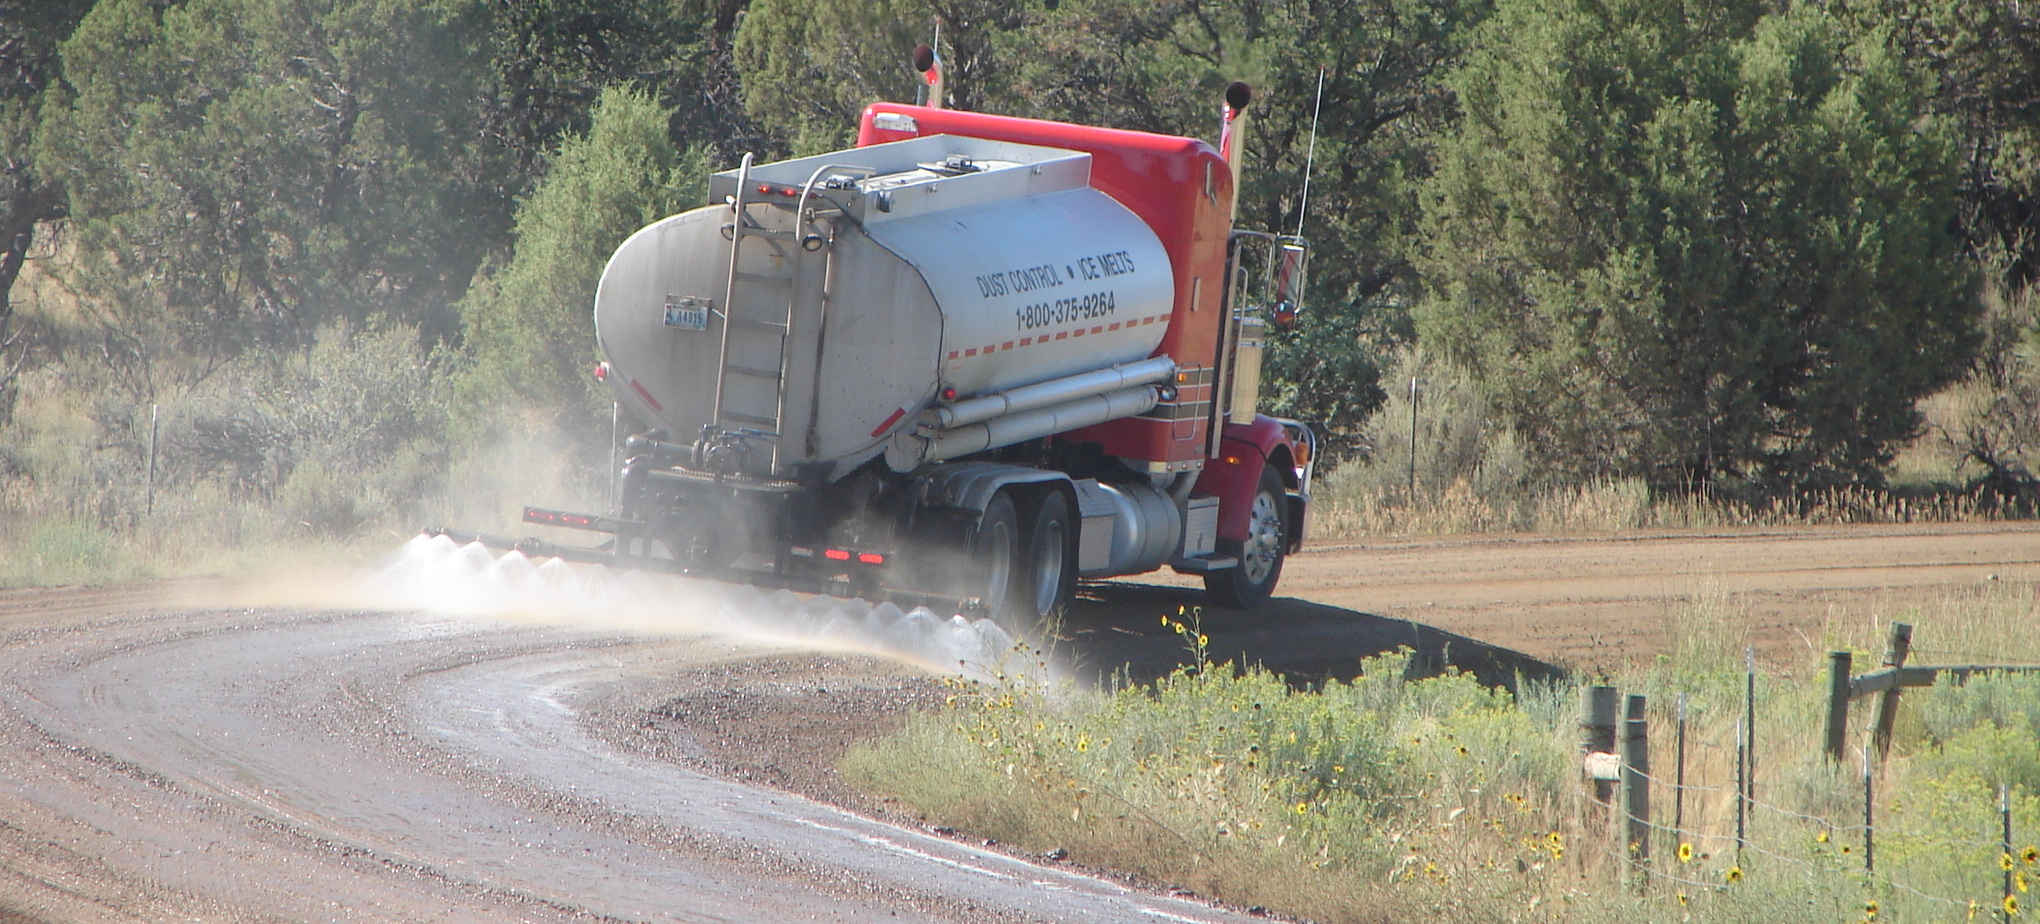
[1724,828]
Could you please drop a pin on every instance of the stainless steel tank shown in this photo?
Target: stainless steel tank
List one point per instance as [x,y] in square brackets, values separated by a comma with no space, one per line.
[871,284]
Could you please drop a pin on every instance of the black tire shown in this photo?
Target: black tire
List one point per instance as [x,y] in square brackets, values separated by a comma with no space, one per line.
[1261,554]
[1048,571]
[994,560]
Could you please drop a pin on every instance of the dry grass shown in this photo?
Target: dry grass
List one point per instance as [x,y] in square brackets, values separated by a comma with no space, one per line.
[1345,507]
[1394,800]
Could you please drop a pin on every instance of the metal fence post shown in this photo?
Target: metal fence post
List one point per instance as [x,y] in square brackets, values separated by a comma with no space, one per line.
[2005,840]
[1869,816]
[1750,719]
[1679,781]
[149,484]
[1413,440]
[1742,808]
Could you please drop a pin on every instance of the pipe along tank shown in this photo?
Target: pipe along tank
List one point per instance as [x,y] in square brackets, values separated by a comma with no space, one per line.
[909,370]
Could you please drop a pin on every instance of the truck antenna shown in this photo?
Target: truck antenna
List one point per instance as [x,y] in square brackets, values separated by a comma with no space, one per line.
[1310,159]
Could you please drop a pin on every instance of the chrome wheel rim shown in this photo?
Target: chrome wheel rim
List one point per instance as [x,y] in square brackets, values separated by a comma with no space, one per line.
[1048,568]
[996,557]
[1264,538]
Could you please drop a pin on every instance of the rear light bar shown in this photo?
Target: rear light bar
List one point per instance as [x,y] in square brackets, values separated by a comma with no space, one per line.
[843,555]
[571,520]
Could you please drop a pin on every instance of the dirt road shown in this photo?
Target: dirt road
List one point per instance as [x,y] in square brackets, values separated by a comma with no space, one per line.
[185,750]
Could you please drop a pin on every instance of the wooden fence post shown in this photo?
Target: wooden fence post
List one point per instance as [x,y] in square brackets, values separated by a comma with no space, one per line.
[1839,665]
[1598,711]
[1636,786]
[1887,705]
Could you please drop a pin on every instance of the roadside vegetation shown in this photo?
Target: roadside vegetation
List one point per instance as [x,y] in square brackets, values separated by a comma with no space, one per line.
[283,278]
[1394,797]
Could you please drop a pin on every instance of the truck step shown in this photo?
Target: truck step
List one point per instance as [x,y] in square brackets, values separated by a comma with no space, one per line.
[1205,564]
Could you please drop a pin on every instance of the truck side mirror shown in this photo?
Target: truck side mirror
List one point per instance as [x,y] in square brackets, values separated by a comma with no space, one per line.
[1289,279]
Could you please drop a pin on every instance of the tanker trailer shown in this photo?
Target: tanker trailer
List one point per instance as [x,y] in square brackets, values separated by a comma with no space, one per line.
[964,364]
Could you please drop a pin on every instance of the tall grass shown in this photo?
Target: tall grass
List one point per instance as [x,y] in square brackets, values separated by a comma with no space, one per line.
[1444,465]
[67,551]
[1391,798]
[337,452]
[1348,505]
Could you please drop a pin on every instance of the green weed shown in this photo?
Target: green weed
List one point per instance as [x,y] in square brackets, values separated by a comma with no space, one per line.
[69,550]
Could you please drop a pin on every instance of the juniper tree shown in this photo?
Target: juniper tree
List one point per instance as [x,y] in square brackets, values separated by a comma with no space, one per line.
[1697,242]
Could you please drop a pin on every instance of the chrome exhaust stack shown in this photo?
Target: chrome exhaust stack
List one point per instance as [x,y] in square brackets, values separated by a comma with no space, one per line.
[1232,135]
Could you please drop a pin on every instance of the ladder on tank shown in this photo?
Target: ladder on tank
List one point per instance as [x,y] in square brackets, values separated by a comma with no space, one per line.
[754,418]
[793,246]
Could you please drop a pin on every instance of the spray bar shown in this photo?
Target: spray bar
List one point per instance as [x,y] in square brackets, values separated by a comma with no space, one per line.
[1057,391]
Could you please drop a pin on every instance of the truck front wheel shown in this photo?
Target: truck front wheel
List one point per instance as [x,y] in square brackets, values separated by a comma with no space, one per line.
[1252,581]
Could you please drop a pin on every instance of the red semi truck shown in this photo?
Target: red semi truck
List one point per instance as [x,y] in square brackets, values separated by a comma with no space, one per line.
[966,363]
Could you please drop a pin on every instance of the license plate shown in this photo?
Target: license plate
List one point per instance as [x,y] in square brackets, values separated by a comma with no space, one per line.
[687,316]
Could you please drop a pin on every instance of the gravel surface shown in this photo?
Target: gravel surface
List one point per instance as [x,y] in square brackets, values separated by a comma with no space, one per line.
[781,721]
[199,751]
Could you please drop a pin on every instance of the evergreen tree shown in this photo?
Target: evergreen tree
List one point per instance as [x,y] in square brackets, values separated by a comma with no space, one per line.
[530,336]
[1984,59]
[240,171]
[810,66]
[29,33]
[1696,242]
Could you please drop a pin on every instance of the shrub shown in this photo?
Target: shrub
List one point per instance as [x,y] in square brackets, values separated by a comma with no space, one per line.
[69,550]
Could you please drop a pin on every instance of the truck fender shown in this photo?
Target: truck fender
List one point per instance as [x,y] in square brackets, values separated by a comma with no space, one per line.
[971,485]
[1235,475]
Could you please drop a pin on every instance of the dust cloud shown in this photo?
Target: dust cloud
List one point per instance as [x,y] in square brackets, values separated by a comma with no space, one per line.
[439,575]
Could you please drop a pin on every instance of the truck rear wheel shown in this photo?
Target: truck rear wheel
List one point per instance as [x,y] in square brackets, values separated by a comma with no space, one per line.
[1048,577]
[993,556]
[1252,581]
